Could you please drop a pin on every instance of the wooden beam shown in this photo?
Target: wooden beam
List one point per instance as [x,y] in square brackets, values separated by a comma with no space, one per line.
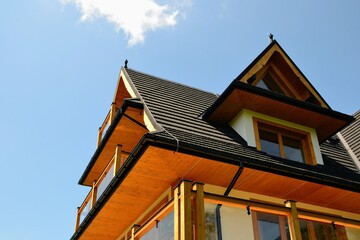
[238,202]
[294,220]
[133,230]
[314,216]
[77,223]
[117,159]
[185,211]
[199,212]
[93,194]
[99,137]
[112,112]
[176,214]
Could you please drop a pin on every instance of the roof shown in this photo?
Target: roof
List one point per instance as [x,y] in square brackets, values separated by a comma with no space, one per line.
[351,135]
[178,108]
[302,102]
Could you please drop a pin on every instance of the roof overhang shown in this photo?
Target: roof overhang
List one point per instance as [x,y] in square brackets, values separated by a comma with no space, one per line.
[126,130]
[241,96]
[153,167]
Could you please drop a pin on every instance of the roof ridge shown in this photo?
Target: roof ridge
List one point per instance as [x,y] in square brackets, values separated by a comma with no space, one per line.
[171,81]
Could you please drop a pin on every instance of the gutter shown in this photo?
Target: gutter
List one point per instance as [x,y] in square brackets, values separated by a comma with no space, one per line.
[149,139]
[288,169]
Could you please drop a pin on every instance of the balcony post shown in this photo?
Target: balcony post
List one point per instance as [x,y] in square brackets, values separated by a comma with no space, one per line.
[99,137]
[294,221]
[77,222]
[133,230]
[182,211]
[117,159]
[199,211]
[93,194]
[112,112]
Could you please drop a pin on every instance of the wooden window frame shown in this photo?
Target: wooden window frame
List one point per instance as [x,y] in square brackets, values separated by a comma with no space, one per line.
[339,230]
[281,130]
[281,218]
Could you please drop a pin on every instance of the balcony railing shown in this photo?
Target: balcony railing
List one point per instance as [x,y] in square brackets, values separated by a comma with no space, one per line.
[107,122]
[99,186]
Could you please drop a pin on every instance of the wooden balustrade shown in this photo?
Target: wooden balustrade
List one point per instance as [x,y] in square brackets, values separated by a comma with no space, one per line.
[107,122]
[93,194]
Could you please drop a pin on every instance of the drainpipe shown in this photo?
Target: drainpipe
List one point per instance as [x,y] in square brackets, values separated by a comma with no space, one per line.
[229,188]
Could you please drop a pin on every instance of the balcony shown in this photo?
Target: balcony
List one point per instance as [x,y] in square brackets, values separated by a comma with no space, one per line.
[107,122]
[100,185]
[123,127]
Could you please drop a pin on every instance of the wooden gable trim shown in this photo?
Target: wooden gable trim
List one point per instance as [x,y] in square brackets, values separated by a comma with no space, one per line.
[264,61]
[124,89]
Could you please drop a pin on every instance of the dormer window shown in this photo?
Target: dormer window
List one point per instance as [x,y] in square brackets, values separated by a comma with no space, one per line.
[284,142]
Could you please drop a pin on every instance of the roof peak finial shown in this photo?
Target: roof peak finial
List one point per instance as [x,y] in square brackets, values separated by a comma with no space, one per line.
[126,62]
[271,37]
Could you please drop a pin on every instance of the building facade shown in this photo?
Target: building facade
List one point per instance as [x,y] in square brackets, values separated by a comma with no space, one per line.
[267,159]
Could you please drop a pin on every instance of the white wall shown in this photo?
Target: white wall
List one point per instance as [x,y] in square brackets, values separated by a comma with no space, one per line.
[236,224]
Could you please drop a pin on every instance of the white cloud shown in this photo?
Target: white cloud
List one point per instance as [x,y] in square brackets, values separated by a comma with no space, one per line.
[134,17]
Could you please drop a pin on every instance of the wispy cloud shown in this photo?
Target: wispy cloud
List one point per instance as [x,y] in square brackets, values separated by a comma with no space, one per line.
[133,17]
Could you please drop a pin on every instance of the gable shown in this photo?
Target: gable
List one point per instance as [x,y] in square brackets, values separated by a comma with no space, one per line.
[274,63]
[274,86]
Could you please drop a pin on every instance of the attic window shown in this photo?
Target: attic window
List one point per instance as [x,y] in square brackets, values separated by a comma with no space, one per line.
[267,82]
[284,142]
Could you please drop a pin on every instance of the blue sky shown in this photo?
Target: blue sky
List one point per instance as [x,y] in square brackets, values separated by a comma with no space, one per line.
[59,62]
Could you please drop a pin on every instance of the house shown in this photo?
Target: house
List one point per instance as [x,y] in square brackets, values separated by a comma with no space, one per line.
[267,159]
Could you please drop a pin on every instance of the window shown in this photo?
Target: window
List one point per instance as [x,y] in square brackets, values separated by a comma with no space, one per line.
[284,142]
[267,82]
[316,230]
[270,226]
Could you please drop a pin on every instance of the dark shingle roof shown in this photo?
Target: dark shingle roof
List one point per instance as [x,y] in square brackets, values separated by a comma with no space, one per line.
[336,156]
[178,108]
[351,135]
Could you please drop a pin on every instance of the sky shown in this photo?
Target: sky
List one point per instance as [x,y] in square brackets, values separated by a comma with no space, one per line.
[60,60]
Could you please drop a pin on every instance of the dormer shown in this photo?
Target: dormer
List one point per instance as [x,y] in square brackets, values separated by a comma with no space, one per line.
[274,107]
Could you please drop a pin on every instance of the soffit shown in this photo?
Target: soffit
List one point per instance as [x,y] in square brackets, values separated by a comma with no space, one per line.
[326,122]
[157,169]
[128,131]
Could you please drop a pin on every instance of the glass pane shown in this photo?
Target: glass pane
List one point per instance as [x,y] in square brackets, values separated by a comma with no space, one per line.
[321,231]
[269,143]
[269,227]
[304,230]
[166,228]
[293,149]
[324,231]
[85,211]
[105,182]
[210,226]
[268,83]
[163,231]
[262,84]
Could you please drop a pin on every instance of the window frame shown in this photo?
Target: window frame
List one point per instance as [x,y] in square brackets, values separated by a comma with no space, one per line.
[281,130]
[282,220]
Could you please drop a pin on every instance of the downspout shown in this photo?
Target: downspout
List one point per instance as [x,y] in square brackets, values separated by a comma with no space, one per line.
[228,190]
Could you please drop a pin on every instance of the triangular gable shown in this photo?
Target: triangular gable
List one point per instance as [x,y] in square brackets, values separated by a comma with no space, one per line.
[275,62]
[124,89]
[298,102]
